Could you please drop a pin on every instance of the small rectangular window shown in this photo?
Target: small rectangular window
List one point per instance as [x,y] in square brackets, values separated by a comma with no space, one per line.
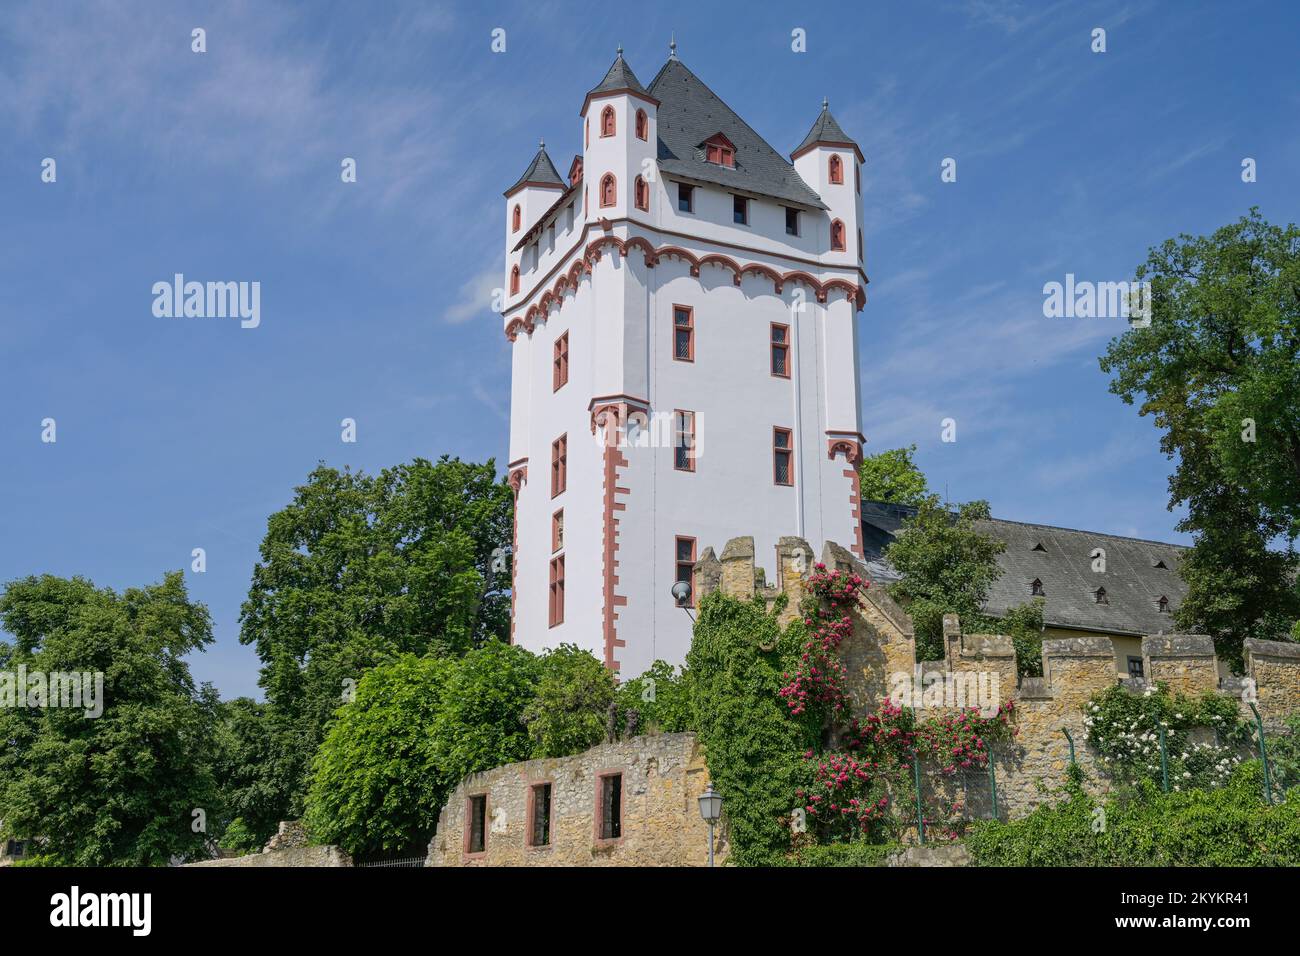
[685,197]
[556,604]
[560,368]
[740,210]
[683,333]
[683,440]
[1135,667]
[611,806]
[782,451]
[780,350]
[476,824]
[559,464]
[791,221]
[568,218]
[684,549]
[540,825]
[557,531]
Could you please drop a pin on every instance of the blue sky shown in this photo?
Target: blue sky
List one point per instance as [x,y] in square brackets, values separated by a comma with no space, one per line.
[176,434]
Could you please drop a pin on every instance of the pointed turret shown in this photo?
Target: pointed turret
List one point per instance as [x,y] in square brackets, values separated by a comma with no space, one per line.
[826,132]
[618,79]
[540,172]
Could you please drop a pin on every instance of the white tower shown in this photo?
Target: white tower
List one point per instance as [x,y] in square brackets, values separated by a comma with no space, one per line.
[684,342]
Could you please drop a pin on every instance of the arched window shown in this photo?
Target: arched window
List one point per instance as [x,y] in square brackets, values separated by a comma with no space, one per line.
[642,195]
[836,169]
[608,190]
[837,236]
[607,121]
[514,281]
[642,125]
[516,218]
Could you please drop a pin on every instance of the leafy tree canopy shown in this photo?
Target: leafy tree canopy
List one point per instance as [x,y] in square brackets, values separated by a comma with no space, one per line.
[892,476]
[570,711]
[120,788]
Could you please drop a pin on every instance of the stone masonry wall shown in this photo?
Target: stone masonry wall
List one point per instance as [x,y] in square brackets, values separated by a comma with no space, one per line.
[663,777]
[882,645]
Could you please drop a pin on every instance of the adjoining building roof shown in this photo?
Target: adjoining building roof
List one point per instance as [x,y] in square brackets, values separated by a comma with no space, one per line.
[540,172]
[690,113]
[825,131]
[619,78]
[1138,572]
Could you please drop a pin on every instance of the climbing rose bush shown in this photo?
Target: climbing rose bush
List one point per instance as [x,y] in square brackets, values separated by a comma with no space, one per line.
[818,678]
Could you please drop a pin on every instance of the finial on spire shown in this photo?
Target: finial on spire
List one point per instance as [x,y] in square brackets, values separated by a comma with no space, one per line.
[620,49]
[672,46]
[541,144]
[826,104]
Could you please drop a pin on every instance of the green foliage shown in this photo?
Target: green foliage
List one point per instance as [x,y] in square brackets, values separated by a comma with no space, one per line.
[570,710]
[1024,625]
[752,744]
[948,566]
[855,853]
[119,789]
[357,570]
[254,772]
[1124,729]
[1284,756]
[1216,370]
[377,784]
[661,699]
[1227,826]
[892,476]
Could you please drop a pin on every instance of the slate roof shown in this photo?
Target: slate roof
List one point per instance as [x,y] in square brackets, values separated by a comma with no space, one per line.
[1133,580]
[826,130]
[619,77]
[540,170]
[689,113]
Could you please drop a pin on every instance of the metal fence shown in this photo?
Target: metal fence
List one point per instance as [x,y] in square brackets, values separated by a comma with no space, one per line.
[405,861]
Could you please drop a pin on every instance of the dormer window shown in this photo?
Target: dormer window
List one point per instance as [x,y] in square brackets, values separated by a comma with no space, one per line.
[608,190]
[516,218]
[607,121]
[1099,596]
[1039,547]
[1162,605]
[1161,566]
[1036,588]
[575,170]
[642,125]
[835,170]
[720,151]
[837,236]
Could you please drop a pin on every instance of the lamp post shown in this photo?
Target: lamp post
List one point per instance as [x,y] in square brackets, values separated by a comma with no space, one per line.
[711,811]
[681,592]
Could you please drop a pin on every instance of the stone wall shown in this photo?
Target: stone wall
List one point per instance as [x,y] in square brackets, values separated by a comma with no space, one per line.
[882,645]
[663,777]
[295,857]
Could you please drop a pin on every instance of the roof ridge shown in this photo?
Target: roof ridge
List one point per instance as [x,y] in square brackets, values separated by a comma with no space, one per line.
[1099,534]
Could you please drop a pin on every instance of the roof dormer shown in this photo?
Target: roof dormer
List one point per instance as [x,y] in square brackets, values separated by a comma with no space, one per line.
[719,151]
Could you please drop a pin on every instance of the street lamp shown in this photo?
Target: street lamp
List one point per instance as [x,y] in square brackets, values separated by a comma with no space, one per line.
[711,811]
[682,597]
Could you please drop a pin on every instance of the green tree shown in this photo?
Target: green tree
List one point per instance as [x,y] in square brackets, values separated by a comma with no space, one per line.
[1024,625]
[376,783]
[1217,371]
[948,566]
[359,569]
[661,699]
[254,772]
[570,710]
[892,476]
[120,788]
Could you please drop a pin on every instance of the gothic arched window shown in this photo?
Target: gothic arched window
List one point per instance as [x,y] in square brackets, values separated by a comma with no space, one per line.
[836,169]
[642,195]
[514,281]
[837,236]
[642,125]
[607,121]
[516,218]
[608,190]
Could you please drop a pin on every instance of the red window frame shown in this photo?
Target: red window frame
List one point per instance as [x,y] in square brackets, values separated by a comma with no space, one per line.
[516,219]
[555,607]
[608,190]
[514,281]
[835,169]
[778,451]
[642,194]
[557,531]
[780,346]
[642,125]
[683,440]
[857,178]
[559,464]
[608,125]
[684,330]
[469,824]
[837,236]
[600,807]
[739,205]
[560,364]
[687,193]
[685,565]
[534,789]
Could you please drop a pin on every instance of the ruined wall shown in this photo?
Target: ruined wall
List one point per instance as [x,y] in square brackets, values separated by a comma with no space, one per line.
[663,777]
[1075,668]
